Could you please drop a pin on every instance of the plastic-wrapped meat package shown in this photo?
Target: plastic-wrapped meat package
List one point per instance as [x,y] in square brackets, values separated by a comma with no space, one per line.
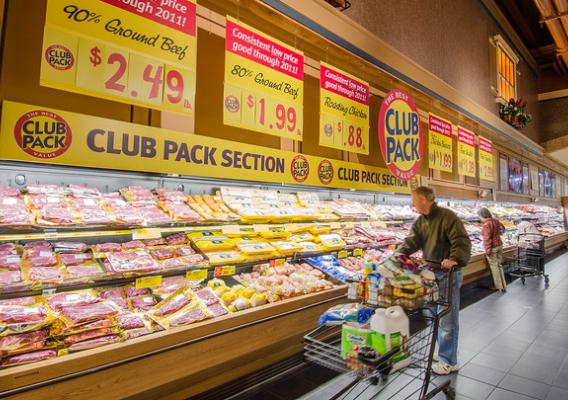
[216,310]
[135,261]
[84,271]
[180,211]
[15,314]
[70,247]
[10,261]
[176,239]
[107,247]
[8,248]
[131,291]
[139,195]
[127,216]
[34,346]
[181,262]
[130,321]
[171,195]
[137,332]
[55,215]
[37,259]
[153,215]
[169,285]
[133,245]
[38,246]
[28,357]
[39,201]
[14,214]
[162,253]
[121,303]
[85,203]
[45,274]
[84,191]
[14,342]
[171,304]
[207,295]
[61,300]
[188,316]
[8,278]
[19,301]
[155,242]
[89,312]
[143,303]
[112,293]
[75,259]
[94,216]
[184,251]
[7,191]
[92,343]
[87,335]
[46,189]
[98,324]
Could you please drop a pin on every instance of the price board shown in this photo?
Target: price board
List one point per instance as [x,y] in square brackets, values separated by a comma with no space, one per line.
[264,83]
[196,275]
[114,50]
[486,161]
[466,152]
[440,149]
[344,111]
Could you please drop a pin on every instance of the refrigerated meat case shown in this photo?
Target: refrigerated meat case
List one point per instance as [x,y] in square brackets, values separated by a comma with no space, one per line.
[181,361]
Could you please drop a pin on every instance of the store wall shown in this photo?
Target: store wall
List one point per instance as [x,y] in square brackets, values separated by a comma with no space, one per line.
[555,118]
[451,40]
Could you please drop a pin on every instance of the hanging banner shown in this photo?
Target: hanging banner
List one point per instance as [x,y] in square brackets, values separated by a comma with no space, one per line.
[141,53]
[466,152]
[486,161]
[400,134]
[344,111]
[42,135]
[264,83]
[440,149]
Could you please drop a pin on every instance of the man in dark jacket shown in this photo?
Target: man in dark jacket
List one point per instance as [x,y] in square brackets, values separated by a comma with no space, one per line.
[441,236]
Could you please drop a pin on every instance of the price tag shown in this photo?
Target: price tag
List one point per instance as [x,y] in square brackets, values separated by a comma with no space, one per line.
[342,254]
[149,282]
[48,291]
[225,271]
[139,234]
[358,252]
[196,275]
[277,261]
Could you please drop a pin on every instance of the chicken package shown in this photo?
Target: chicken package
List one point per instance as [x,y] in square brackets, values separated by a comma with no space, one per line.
[28,357]
[132,262]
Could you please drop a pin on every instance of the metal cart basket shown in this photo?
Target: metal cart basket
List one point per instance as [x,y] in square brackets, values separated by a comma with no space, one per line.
[322,346]
[529,258]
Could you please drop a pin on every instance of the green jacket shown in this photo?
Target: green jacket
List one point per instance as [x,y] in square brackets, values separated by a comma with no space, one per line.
[439,235]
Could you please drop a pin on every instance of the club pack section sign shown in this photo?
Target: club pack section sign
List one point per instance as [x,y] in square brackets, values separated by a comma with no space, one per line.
[135,52]
[264,83]
[400,135]
[344,111]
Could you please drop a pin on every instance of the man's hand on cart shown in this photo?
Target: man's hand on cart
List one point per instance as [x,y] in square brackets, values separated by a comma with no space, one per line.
[448,264]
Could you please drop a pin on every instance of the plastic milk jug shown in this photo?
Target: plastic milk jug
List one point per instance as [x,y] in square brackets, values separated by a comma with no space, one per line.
[391,329]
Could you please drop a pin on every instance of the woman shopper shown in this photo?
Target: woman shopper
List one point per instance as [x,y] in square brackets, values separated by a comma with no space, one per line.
[491,232]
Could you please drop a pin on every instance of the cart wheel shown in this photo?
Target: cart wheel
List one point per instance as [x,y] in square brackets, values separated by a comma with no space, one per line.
[450,393]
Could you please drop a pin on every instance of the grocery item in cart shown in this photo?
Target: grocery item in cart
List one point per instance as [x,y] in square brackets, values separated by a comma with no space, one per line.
[391,329]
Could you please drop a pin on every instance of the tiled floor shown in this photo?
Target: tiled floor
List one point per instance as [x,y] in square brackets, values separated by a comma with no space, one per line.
[512,346]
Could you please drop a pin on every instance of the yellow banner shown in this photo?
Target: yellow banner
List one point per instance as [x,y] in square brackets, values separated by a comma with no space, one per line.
[344,110]
[141,53]
[264,83]
[37,134]
[466,152]
[440,149]
[486,160]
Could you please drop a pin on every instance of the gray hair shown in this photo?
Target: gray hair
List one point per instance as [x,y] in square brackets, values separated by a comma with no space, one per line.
[425,192]
[484,213]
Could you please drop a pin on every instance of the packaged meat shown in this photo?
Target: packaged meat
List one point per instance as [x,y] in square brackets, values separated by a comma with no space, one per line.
[112,293]
[84,191]
[55,215]
[131,291]
[170,195]
[87,335]
[143,303]
[207,296]
[60,329]
[121,303]
[187,316]
[7,191]
[107,247]
[8,278]
[8,248]
[28,357]
[76,259]
[137,332]
[172,303]
[131,262]
[70,247]
[184,251]
[162,253]
[89,312]
[15,314]
[93,216]
[153,215]
[155,242]
[133,245]
[14,215]
[84,271]
[138,196]
[19,301]
[169,285]
[77,298]
[176,239]
[44,274]
[55,190]
[92,343]
[179,211]
[82,204]
[13,342]
[39,201]
[131,321]
[10,261]
[26,348]
[38,246]
[40,259]
[217,309]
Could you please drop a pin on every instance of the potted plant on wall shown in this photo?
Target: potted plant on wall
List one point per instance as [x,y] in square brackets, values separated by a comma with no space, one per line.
[515,113]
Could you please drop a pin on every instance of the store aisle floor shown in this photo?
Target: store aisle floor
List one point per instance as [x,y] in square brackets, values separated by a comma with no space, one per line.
[512,346]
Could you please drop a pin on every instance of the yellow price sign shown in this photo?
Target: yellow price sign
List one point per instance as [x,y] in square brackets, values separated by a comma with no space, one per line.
[225,271]
[486,162]
[196,275]
[342,254]
[440,145]
[466,152]
[140,234]
[358,252]
[149,282]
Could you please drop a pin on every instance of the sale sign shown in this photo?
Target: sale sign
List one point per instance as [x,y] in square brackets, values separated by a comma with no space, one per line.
[344,111]
[141,53]
[400,134]
[440,149]
[486,163]
[264,83]
[466,152]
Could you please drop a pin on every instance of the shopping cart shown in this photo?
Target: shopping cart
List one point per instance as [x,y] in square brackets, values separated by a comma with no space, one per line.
[529,258]
[322,346]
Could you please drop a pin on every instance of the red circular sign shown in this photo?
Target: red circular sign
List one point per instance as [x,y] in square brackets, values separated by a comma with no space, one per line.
[300,168]
[59,57]
[400,135]
[43,134]
[325,172]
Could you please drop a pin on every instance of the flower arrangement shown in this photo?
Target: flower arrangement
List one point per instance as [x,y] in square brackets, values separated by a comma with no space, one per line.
[515,113]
